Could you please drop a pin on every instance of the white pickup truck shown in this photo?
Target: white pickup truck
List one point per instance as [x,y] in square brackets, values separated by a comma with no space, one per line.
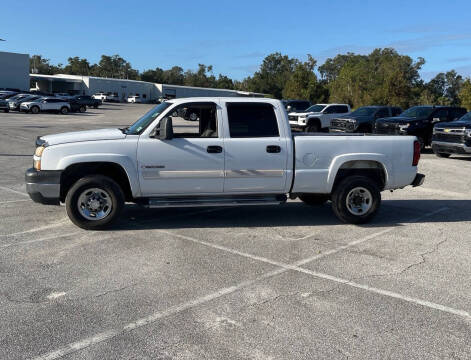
[317,117]
[240,151]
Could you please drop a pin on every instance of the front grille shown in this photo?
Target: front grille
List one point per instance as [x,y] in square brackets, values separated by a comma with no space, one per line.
[452,138]
[387,128]
[340,124]
[292,118]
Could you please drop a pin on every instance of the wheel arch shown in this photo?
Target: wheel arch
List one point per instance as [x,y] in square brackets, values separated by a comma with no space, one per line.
[113,170]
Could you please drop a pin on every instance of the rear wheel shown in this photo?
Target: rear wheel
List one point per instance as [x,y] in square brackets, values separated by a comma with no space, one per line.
[314,199]
[82,108]
[94,202]
[35,110]
[356,199]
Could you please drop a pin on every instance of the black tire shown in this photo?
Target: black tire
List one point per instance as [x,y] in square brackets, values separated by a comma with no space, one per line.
[342,191]
[421,142]
[82,108]
[110,187]
[64,110]
[35,110]
[442,155]
[95,106]
[313,127]
[314,199]
[6,110]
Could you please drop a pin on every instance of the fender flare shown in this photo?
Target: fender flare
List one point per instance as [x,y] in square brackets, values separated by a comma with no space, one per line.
[124,161]
[340,160]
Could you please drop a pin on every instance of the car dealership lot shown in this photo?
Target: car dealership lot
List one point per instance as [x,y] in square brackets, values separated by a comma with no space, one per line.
[256,282]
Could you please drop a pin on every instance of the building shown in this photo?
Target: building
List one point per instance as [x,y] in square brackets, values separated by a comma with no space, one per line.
[89,85]
[14,71]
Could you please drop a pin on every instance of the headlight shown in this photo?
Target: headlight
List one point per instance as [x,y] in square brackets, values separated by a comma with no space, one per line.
[404,126]
[37,157]
[468,132]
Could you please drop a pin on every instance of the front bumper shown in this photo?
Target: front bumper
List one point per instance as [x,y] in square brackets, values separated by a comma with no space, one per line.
[43,186]
[450,148]
[418,180]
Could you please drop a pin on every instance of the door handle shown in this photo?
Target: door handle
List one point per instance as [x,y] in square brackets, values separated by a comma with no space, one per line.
[214,149]
[273,149]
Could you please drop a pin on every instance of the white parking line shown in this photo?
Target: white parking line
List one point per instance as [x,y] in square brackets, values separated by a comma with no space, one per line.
[13,201]
[282,268]
[45,227]
[13,191]
[47,238]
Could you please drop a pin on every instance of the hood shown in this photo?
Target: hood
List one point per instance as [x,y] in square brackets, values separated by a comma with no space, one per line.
[359,119]
[79,136]
[304,113]
[399,119]
[466,124]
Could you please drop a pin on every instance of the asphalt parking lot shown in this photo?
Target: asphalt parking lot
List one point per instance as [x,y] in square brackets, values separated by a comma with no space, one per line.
[288,282]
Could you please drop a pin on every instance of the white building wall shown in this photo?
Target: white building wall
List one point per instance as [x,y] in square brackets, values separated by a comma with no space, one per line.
[124,88]
[14,70]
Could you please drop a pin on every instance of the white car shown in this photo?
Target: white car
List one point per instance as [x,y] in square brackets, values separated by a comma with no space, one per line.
[99,96]
[317,117]
[134,99]
[240,152]
[112,97]
[51,104]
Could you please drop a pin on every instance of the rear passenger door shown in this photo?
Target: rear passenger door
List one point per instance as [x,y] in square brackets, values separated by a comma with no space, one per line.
[256,154]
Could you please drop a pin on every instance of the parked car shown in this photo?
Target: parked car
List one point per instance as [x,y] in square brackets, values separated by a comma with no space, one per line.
[363,119]
[99,96]
[134,99]
[295,105]
[251,158]
[112,97]
[317,117]
[15,101]
[86,100]
[418,121]
[51,104]
[452,137]
[4,106]
[5,95]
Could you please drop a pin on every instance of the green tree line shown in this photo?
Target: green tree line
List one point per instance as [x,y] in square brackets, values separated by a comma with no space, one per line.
[383,77]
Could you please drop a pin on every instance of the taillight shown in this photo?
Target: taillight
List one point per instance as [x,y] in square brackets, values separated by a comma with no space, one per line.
[416,158]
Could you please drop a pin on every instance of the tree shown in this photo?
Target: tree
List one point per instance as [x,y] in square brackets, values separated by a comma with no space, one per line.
[274,73]
[174,76]
[465,94]
[40,65]
[115,67]
[443,89]
[303,83]
[155,76]
[332,66]
[383,77]
[203,77]
[77,66]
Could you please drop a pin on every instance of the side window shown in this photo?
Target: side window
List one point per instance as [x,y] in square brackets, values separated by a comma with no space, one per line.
[383,112]
[248,120]
[342,109]
[442,114]
[396,111]
[329,110]
[194,120]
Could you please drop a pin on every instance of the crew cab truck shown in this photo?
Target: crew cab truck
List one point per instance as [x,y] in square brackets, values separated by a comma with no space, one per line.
[363,119]
[418,121]
[238,152]
[452,137]
[317,117]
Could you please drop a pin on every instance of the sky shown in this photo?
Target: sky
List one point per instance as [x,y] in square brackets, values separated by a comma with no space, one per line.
[235,36]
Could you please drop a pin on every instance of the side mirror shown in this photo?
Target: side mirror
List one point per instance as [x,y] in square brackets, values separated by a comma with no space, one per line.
[166,129]
[435,120]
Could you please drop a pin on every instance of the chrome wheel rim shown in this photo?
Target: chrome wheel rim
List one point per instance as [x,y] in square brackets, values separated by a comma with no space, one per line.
[193,117]
[359,201]
[94,204]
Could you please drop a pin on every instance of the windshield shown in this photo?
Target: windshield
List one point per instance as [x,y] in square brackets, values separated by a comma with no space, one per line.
[417,112]
[364,111]
[315,108]
[146,119]
[466,117]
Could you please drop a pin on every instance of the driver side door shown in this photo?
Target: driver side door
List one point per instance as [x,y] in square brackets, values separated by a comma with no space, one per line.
[192,162]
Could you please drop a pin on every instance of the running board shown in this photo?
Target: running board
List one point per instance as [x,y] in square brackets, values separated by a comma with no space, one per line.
[214,201]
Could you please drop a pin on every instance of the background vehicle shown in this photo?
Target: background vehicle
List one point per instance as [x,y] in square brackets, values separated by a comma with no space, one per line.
[5,95]
[99,96]
[15,101]
[418,121]
[295,105]
[46,104]
[317,117]
[452,137]
[4,106]
[363,119]
[242,155]
[134,99]
[64,96]
[112,97]
[86,100]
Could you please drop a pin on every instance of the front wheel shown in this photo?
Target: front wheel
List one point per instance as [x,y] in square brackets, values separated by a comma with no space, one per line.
[356,199]
[312,128]
[35,110]
[82,108]
[6,110]
[64,110]
[94,202]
